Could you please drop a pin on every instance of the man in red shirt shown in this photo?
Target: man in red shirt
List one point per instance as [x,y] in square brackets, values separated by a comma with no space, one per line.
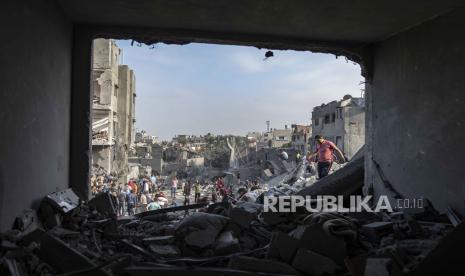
[324,151]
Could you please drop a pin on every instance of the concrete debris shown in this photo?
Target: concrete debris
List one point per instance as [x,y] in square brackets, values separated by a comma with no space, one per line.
[200,230]
[233,237]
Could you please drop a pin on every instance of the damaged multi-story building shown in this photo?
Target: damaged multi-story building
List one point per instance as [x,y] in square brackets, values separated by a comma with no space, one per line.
[342,122]
[113,108]
[301,137]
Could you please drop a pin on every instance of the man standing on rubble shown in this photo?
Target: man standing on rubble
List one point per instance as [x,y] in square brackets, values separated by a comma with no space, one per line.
[324,153]
[174,187]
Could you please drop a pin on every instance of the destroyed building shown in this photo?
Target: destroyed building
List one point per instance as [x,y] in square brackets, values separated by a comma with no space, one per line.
[301,137]
[410,53]
[280,137]
[113,108]
[342,122]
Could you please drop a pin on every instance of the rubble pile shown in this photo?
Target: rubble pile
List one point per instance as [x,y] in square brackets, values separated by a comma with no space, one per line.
[66,236]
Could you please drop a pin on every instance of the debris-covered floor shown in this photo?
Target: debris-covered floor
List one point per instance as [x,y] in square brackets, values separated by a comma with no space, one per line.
[68,237]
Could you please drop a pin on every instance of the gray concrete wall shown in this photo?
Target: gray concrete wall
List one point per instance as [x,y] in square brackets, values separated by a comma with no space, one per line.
[354,130]
[35,55]
[417,101]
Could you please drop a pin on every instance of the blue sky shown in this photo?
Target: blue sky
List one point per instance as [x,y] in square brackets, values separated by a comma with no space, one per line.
[201,88]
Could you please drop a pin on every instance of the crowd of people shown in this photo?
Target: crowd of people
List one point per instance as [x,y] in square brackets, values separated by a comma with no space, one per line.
[146,193]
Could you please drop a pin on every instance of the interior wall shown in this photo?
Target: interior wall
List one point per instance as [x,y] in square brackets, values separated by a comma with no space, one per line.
[35,75]
[417,118]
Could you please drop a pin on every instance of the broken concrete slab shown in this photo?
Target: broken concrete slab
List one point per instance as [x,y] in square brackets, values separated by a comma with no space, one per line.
[314,238]
[314,264]
[282,247]
[261,265]
[344,181]
[200,230]
[244,213]
[61,256]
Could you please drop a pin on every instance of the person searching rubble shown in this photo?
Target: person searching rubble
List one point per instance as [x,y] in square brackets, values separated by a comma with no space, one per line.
[325,150]
[283,154]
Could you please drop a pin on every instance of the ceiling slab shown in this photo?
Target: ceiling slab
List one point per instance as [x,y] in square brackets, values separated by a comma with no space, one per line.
[329,20]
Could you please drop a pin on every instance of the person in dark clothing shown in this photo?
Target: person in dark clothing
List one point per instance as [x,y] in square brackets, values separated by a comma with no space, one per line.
[131,201]
[187,192]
